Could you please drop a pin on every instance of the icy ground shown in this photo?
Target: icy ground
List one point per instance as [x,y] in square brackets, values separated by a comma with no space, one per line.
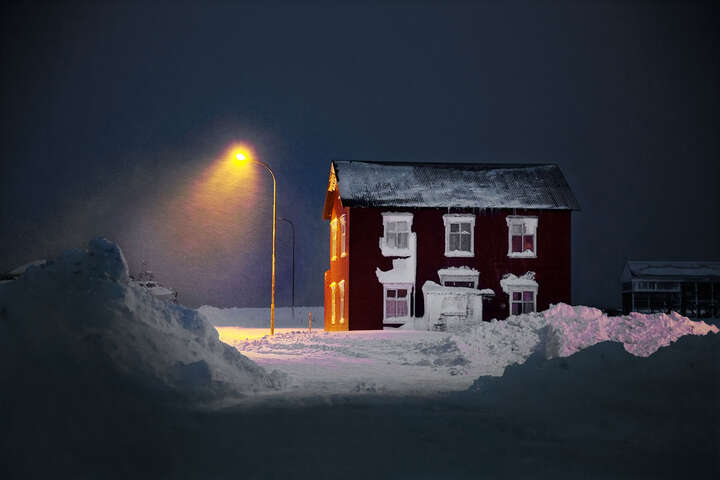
[411,362]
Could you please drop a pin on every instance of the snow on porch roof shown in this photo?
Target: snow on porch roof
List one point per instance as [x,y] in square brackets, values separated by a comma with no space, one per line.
[479,185]
[674,269]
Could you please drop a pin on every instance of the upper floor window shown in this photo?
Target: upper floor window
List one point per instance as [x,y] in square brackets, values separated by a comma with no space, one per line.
[522,236]
[333,239]
[396,233]
[343,236]
[459,235]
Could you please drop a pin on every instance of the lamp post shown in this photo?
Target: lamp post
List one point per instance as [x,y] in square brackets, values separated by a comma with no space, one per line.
[241,157]
[293,264]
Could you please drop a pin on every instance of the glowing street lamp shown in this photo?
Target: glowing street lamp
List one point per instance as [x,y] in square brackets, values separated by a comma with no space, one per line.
[243,159]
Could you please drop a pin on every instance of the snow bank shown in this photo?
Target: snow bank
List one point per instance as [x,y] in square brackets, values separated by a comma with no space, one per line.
[571,329]
[563,330]
[82,308]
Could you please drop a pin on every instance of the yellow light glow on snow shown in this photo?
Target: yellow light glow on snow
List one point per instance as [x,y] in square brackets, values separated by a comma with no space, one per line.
[238,335]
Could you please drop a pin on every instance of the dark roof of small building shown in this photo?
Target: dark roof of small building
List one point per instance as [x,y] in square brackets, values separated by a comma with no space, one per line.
[656,269]
[468,185]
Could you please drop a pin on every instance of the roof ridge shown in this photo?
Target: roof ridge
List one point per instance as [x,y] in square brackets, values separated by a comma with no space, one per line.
[444,164]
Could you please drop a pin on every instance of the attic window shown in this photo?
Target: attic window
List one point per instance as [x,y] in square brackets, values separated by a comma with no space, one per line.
[396,234]
[459,235]
[522,236]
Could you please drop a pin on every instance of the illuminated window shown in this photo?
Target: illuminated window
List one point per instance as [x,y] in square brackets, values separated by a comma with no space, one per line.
[459,235]
[397,301]
[342,300]
[333,239]
[396,233]
[522,236]
[343,236]
[332,302]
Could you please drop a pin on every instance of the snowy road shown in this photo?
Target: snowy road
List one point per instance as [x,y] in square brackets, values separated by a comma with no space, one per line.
[390,361]
[417,362]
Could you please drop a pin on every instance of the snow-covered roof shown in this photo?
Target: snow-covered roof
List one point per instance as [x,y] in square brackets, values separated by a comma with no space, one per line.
[479,185]
[672,269]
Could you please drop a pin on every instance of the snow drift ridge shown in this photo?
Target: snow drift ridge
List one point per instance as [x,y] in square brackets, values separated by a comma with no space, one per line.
[82,307]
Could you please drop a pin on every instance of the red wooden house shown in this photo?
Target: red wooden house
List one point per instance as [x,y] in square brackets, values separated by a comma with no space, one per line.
[420,240]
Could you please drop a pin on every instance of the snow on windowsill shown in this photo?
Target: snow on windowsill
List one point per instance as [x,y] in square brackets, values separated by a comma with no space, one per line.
[452,271]
[511,282]
[526,254]
[459,253]
[403,270]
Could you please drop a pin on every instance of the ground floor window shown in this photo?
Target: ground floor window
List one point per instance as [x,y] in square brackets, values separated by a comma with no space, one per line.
[332,300]
[397,301]
[522,301]
[342,300]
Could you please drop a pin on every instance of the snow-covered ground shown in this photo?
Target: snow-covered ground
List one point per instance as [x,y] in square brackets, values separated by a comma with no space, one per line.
[101,380]
[400,361]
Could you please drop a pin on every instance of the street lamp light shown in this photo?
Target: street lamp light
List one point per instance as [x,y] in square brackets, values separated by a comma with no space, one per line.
[293,264]
[241,157]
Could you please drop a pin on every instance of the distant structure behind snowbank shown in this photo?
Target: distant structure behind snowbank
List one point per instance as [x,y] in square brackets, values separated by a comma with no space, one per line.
[689,288]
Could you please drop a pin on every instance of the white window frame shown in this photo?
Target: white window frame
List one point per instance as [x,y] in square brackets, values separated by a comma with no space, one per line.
[341,293]
[388,219]
[459,275]
[343,235]
[397,286]
[529,225]
[459,218]
[333,239]
[333,285]
[521,289]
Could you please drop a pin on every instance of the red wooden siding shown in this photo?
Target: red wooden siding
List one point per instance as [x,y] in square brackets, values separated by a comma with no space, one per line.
[552,265]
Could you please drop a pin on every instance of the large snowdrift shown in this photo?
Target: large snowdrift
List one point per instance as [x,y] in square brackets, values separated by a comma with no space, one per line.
[82,310]
[563,329]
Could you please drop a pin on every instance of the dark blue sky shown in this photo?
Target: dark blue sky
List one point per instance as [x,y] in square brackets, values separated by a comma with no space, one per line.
[114,111]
